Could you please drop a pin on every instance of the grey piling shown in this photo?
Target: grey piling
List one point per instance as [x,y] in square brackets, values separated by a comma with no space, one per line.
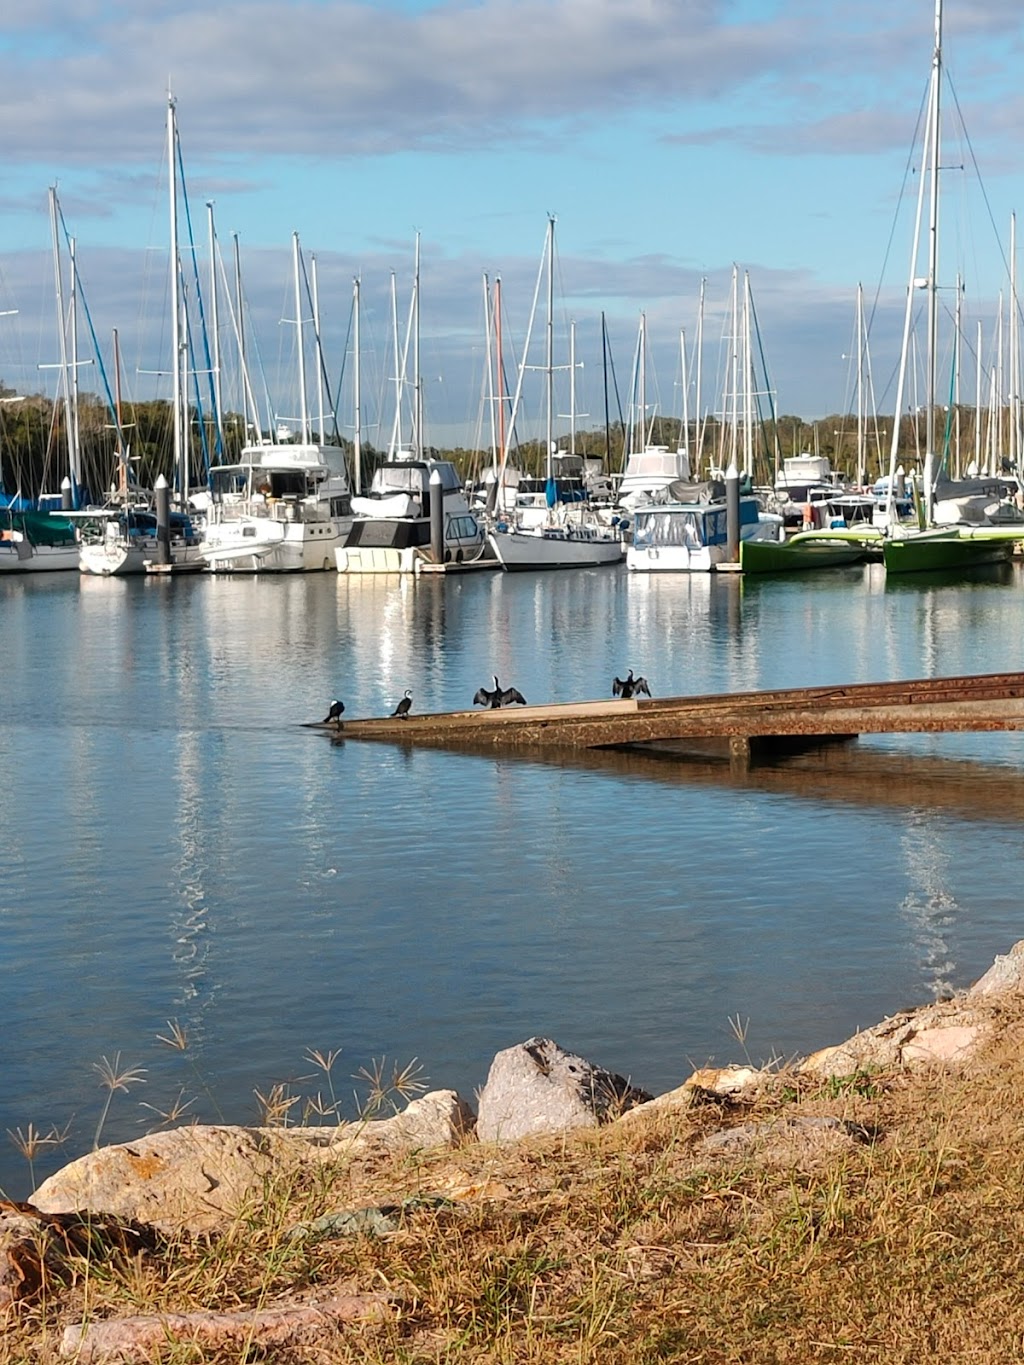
[67,499]
[436,517]
[162,497]
[732,513]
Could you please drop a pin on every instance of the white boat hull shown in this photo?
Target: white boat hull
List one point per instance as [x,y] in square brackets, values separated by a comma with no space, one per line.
[20,557]
[529,550]
[114,558]
[273,546]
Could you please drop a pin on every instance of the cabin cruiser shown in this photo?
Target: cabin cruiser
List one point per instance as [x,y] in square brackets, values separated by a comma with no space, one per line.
[649,474]
[688,531]
[279,509]
[391,525]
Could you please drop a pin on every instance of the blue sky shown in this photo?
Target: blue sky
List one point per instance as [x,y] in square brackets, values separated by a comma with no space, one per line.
[672,139]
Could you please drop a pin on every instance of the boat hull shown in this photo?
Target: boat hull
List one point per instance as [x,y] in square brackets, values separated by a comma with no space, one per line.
[523,550]
[22,558]
[931,552]
[800,555]
[274,547]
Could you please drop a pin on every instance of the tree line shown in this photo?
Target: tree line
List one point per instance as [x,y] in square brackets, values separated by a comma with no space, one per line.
[34,444]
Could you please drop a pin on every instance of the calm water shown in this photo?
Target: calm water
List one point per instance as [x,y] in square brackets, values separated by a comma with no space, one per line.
[174,846]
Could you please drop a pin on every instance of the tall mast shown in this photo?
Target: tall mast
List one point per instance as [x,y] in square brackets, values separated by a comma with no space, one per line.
[417,441]
[357,441]
[1014,353]
[74,469]
[501,368]
[319,357]
[930,472]
[303,411]
[549,348]
[122,454]
[177,391]
[215,326]
[396,429]
[697,397]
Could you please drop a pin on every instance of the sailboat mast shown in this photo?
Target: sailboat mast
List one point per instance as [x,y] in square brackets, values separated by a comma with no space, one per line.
[930,472]
[319,360]
[180,445]
[1014,353]
[549,352]
[73,448]
[303,413]
[215,328]
[697,400]
[122,454]
[417,390]
[499,360]
[357,440]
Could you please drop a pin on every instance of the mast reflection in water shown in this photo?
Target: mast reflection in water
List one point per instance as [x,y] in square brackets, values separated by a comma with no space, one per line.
[174,846]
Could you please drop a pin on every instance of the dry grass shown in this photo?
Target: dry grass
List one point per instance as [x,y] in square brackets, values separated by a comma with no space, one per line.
[633,1245]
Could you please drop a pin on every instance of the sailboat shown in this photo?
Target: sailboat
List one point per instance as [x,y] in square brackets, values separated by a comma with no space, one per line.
[393,525]
[569,536]
[281,506]
[123,537]
[931,547]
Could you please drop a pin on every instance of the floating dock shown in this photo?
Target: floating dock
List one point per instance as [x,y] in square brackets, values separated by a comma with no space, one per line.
[741,726]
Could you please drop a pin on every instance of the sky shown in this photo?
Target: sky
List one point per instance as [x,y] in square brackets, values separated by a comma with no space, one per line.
[673,141]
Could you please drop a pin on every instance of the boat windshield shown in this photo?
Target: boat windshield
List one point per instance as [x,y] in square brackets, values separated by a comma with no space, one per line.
[668,528]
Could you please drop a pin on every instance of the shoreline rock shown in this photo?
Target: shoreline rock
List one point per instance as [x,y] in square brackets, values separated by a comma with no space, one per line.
[200,1177]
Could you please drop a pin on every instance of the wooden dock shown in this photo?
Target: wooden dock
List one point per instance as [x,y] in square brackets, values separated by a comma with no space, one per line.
[741,726]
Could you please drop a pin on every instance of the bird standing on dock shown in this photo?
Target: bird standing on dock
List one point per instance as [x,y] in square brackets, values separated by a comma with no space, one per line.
[404,706]
[337,707]
[500,696]
[630,687]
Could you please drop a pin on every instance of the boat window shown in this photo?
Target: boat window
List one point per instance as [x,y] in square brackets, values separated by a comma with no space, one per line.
[400,478]
[668,529]
[463,528]
[227,480]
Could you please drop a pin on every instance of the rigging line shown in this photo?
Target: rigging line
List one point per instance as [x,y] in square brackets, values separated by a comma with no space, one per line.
[92,331]
[907,172]
[200,423]
[321,362]
[981,183]
[207,356]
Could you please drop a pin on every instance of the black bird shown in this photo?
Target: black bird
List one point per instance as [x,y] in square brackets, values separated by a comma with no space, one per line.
[630,687]
[404,706]
[337,707]
[500,696]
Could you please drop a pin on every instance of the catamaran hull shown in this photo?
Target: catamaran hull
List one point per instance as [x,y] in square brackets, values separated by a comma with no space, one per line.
[800,555]
[939,552]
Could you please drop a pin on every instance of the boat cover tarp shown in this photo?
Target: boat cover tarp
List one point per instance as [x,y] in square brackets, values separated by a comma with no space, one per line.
[38,527]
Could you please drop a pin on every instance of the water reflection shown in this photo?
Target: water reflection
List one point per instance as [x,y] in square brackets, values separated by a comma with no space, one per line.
[174,844]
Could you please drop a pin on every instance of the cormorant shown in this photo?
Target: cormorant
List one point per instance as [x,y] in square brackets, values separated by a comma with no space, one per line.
[404,706]
[630,687]
[501,696]
[337,707]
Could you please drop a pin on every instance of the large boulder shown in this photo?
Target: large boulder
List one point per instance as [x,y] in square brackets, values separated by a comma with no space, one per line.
[1005,974]
[201,1177]
[538,1087]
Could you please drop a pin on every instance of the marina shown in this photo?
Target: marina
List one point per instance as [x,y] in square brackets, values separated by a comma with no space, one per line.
[180,845]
